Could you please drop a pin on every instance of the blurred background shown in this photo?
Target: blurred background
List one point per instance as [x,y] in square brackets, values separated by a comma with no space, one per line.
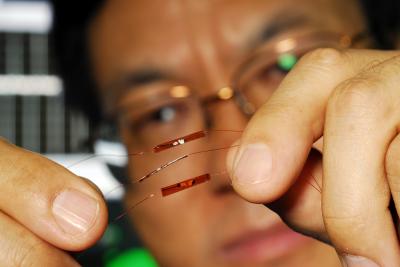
[33,116]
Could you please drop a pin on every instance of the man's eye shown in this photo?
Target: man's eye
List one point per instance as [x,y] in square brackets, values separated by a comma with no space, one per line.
[163,115]
[169,115]
[286,62]
[272,74]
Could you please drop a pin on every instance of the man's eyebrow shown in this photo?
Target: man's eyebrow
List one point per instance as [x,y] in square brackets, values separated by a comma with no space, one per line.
[140,77]
[283,21]
[280,23]
[127,81]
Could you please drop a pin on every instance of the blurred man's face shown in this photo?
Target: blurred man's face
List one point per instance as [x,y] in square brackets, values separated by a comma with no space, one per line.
[140,50]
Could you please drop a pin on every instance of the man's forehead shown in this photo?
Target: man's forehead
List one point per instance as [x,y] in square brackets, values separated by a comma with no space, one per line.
[129,34]
[147,33]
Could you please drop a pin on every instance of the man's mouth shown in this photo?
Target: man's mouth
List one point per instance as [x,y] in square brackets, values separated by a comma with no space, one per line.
[256,246]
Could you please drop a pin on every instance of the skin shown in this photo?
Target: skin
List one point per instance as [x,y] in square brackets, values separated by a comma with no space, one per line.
[353,106]
[208,48]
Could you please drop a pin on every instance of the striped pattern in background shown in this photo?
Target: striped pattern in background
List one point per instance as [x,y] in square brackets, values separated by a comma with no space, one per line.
[39,122]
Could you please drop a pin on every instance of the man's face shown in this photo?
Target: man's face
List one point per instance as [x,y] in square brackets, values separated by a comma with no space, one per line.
[200,44]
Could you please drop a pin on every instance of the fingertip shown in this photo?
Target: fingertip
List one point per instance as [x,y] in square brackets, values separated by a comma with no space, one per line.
[93,185]
[250,167]
[80,217]
[253,164]
[75,212]
[357,261]
[231,156]
[80,213]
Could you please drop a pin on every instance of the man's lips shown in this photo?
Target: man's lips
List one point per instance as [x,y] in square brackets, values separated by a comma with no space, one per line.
[262,245]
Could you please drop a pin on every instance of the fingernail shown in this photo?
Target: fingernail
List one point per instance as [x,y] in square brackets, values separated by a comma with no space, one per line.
[253,165]
[75,212]
[356,261]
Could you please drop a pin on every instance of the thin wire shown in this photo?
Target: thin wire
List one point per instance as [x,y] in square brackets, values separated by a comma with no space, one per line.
[319,189]
[185,139]
[155,171]
[165,165]
[103,155]
[314,186]
[185,182]
[210,150]
[162,167]
[132,207]
[220,130]
[136,153]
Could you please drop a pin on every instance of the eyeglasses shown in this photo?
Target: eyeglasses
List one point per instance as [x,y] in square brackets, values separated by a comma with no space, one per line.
[171,133]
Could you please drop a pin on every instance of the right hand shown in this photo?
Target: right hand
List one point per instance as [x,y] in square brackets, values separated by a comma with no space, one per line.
[45,210]
[350,98]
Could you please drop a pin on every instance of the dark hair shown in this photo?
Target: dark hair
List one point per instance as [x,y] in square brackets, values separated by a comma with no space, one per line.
[69,36]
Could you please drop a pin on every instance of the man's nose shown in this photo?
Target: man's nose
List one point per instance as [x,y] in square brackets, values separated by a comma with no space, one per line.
[226,123]
[226,115]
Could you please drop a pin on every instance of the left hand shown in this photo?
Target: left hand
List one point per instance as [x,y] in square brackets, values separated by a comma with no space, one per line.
[351,99]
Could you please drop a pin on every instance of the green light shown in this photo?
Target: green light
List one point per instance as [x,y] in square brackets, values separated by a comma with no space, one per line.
[137,257]
[287,61]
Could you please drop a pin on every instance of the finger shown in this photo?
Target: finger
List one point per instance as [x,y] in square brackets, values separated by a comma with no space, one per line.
[58,206]
[19,247]
[393,172]
[361,121]
[300,208]
[278,138]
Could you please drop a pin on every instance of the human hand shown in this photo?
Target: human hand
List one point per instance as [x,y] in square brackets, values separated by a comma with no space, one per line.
[45,210]
[351,99]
